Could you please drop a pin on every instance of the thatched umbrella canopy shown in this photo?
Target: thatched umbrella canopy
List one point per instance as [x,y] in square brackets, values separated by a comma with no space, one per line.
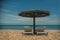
[37,13]
[33,14]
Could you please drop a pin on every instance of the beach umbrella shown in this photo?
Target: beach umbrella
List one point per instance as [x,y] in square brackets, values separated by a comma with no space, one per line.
[34,14]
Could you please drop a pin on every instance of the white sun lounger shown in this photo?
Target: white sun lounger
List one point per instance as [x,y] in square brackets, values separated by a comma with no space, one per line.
[27,30]
[40,30]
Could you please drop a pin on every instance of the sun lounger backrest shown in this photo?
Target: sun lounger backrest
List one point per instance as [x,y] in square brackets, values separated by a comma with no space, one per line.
[40,29]
[28,29]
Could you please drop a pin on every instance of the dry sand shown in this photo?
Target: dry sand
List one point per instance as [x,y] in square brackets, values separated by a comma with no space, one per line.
[17,35]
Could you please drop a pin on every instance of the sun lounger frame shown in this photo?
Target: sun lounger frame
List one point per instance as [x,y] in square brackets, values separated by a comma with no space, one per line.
[46,33]
[27,33]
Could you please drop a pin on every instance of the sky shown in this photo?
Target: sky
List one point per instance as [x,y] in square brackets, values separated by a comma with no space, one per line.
[10,9]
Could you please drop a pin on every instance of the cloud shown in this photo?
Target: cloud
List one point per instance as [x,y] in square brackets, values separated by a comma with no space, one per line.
[6,10]
[15,19]
[51,19]
[45,20]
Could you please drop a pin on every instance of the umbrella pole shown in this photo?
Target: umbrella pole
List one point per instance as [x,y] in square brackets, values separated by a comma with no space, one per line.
[34,23]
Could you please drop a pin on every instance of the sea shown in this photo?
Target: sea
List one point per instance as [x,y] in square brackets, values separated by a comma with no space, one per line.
[21,27]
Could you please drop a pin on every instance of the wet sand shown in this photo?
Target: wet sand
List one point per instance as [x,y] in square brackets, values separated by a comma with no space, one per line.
[17,35]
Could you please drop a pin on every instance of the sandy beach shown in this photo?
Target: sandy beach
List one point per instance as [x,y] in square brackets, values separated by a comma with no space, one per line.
[17,35]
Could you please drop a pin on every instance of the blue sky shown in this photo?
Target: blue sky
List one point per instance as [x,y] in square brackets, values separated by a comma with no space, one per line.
[11,8]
